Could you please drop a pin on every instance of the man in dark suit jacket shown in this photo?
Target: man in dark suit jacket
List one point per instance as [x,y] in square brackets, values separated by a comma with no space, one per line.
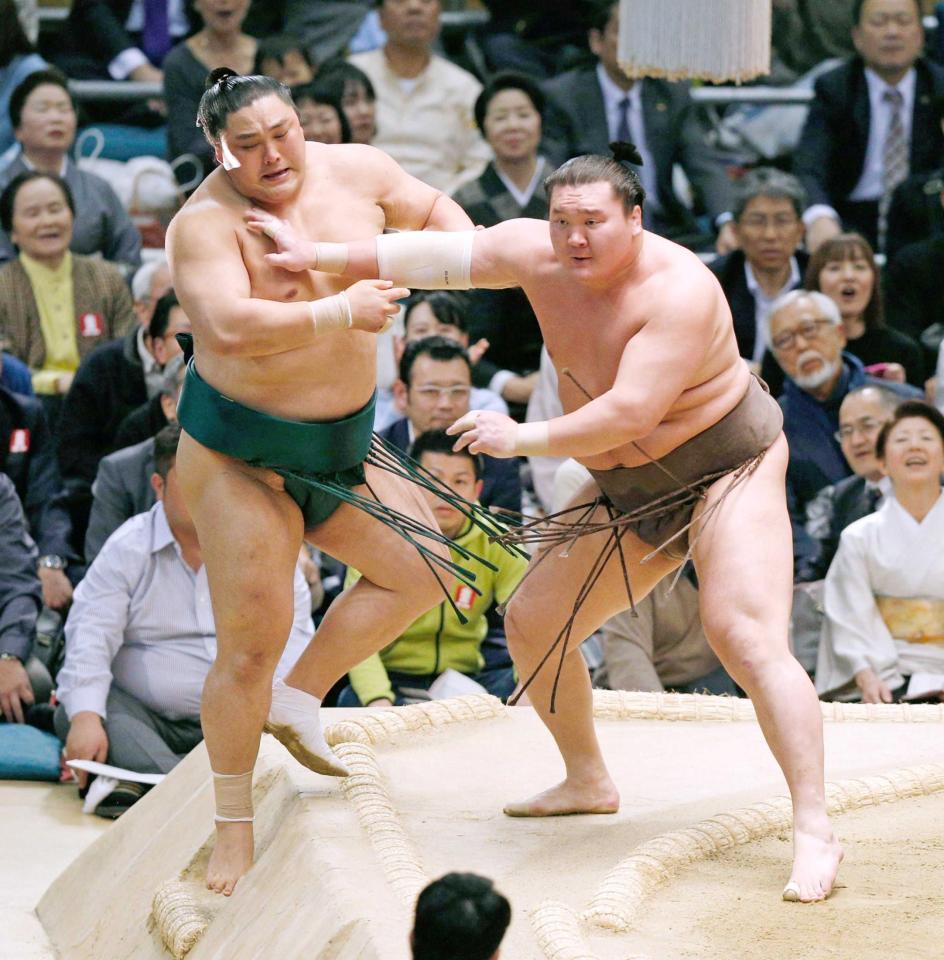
[588,108]
[768,208]
[916,213]
[841,155]
[433,392]
[914,294]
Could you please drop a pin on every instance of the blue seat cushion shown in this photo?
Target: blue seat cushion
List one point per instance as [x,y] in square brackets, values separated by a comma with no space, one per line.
[27,753]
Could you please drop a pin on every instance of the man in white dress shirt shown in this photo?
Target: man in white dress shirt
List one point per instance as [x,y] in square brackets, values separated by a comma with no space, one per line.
[140,637]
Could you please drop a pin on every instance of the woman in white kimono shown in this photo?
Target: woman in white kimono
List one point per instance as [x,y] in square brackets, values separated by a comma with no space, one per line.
[884,593]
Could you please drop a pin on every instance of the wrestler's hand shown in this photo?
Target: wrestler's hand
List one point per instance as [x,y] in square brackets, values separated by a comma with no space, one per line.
[374,304]
[294,252]
[87,740]
[485,431]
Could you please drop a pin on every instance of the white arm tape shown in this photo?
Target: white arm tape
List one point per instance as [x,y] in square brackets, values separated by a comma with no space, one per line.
[532,439]
[426,259]
[331,313]
[331,257]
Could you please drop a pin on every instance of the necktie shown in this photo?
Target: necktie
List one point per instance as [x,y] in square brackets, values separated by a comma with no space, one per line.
[155,35]
[873,496]
[894,160]
[622,123]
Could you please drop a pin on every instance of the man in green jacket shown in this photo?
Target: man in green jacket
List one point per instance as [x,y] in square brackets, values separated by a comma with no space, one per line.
[439,640]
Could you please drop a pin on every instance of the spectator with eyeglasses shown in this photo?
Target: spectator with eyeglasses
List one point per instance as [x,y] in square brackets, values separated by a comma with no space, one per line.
[433,391]
[807,339]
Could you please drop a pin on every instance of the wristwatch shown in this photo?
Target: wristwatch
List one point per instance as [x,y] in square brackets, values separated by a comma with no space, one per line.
[11,656]
[52,562]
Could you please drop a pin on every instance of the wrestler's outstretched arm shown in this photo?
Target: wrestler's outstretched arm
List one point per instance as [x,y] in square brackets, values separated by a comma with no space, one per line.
[213,285]
[658,364]
[496,258]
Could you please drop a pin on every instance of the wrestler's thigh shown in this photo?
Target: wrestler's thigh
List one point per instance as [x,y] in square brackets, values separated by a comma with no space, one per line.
[250,533]
[379,553]
[557,575]
[744,560]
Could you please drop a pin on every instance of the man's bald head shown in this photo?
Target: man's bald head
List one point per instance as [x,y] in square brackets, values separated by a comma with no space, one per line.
[862,414]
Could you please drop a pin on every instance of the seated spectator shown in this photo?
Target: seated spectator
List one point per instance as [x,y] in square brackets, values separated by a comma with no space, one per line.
[433,392]
[424,102]
[870,124]
[55,307]
[884,594]
[221,43]
[844,269]
[663,646]
[915,295]
[284,58]
[150,282]
[28,458]
[158,412]
[439,313]
[862,414]
[322,118]
[23,678]
[807,338]
[349,84]
[460,916]
[768,229]
[112,382]
[140,640]
[591,106]
[42,113]
[18,59]
[439,640]
[509,114]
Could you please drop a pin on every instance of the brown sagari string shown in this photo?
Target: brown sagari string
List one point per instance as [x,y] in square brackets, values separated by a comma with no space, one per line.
[557,529]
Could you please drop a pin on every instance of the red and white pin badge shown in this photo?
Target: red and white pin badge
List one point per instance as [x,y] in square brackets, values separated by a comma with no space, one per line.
[20,441]
[91,325]
[465,597]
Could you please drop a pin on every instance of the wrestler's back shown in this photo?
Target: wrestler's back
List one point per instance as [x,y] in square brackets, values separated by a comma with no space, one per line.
[336,374]
[586,332]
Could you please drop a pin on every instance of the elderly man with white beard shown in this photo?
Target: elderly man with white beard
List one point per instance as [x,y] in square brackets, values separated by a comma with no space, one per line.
[807,339]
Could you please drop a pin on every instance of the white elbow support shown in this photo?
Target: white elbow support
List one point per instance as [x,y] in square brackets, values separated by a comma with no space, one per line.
[330,257]
[331,313]
[532,439]
[426,259]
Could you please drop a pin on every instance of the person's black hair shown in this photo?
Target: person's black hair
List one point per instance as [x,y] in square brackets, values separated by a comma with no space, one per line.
[592,168]
[768,182]
[599,13]
[13,39]
[321,94]
[278,47]
[165,449]
[508,80]
[160,319]
[909,408]
[859,4]
[227,91]
[337,74]
[450,307]
[461,916]
[438,348]
[38,79]
[8,197]
[438,441]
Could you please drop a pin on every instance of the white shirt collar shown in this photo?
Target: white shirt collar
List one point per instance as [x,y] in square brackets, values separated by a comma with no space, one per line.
[29,166]
[755,288]
[906,87]
[613,93]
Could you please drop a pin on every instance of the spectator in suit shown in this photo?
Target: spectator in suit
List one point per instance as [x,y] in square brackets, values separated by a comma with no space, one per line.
[18,59]
[807,339]
[767,263]
[42,114]
[433,392]
[55,306]
[23,678]
[590,107]
[862,414]
[150,282]
[871,123]
[424,102]
[352,87]
[158,412]
[508,112]
[915,294]
[28,458]
[844,269]
[113,381]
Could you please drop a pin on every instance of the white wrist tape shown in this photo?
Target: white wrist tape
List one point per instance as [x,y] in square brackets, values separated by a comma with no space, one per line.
[533,439]
[331,313]
[233,793]
[331,257]
[426,259]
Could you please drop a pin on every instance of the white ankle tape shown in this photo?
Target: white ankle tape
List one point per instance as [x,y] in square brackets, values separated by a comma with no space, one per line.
[233,793]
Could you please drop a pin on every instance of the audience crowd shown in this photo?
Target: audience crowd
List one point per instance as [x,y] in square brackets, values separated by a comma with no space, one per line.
[829,254]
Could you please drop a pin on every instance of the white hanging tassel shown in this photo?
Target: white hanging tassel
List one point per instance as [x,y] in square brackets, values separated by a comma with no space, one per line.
[718,40]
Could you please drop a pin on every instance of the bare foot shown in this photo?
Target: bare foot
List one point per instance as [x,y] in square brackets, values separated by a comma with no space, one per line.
[571,796]
[231,857]
[815,865]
